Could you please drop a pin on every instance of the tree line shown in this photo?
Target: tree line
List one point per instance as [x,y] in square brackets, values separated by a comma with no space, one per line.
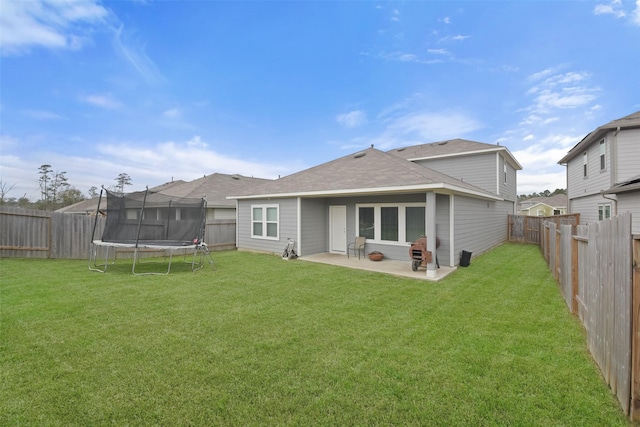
[545,193]
[56,192]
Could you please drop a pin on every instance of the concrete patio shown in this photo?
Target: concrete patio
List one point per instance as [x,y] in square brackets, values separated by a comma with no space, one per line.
[398,268]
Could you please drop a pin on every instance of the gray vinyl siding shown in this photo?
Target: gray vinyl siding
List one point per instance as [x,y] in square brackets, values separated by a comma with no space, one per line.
[443,227]
[628,154]
[596,179]
[477,169]
[587,207]
[508,190]
[287,225]
[630,202]
[314,230]
[479,224]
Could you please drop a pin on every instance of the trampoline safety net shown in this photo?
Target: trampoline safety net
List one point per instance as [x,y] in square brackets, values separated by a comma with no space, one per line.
[150,218]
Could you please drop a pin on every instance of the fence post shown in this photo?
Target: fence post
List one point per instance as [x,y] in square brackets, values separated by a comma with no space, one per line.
[574,275]
[556,267]
[635,334]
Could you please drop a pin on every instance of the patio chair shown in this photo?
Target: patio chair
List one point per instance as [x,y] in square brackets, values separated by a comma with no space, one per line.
[357,246]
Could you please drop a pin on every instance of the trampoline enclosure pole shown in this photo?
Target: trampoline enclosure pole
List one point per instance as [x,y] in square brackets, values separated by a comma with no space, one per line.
[144,201]
[95,223]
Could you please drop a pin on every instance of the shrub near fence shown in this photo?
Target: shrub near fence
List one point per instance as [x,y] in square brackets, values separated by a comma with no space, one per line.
[29,233]
[594,267]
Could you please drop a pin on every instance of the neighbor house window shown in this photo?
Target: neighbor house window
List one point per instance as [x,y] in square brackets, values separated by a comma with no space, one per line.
[391,222]
[603,152]
[264,221]
[604,211]
[585,164]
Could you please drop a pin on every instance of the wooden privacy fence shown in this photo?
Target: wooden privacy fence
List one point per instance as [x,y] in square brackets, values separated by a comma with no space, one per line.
[594,265]
[29,233]
[526,229]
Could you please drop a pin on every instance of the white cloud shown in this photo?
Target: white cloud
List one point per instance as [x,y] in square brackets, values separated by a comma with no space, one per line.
[43,115]
[172,113]
[352,119]
[443,52]
[614,8]
[147,164]
[134,53]
[635,15]
[50,24]
[414,127]
[540,163]
[184,160]
[535,182]
[554,91]
[106,101]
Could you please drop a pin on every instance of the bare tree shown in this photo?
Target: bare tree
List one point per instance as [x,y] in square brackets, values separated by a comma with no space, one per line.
[93,192]
[5,188]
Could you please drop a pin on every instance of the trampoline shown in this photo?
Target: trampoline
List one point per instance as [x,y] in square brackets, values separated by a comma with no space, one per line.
[153,222]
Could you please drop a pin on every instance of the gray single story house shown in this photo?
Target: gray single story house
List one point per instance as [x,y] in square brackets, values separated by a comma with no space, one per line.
[460,191]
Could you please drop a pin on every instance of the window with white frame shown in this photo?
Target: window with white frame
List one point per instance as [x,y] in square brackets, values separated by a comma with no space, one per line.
[603,152]
[265,222]
[391,222]
[604,211]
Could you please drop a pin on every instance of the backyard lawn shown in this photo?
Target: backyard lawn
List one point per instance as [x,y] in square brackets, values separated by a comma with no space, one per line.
[258,341]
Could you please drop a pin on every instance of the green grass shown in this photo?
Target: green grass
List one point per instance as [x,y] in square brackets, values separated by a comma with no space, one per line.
[261,341]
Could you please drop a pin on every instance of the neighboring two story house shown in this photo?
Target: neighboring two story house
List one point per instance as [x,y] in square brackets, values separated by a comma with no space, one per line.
[460,191]
[602,170]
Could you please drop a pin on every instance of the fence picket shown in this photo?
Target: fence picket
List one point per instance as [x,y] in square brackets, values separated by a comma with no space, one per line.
[592,264]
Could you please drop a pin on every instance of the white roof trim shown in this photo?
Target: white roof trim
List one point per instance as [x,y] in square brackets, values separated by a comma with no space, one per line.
[444,188]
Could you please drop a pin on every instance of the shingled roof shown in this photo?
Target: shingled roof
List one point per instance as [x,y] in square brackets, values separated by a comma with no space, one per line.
[627,122]
[370,171]
[216,187]
[452,148]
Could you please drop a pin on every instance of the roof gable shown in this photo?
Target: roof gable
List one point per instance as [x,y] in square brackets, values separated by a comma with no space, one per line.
[365,172]
[452,148]
[627,122]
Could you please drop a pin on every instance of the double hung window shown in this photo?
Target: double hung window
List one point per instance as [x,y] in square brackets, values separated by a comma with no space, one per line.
[264,221]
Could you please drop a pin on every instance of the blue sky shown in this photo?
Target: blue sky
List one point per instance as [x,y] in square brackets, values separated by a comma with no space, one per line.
[166,90]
